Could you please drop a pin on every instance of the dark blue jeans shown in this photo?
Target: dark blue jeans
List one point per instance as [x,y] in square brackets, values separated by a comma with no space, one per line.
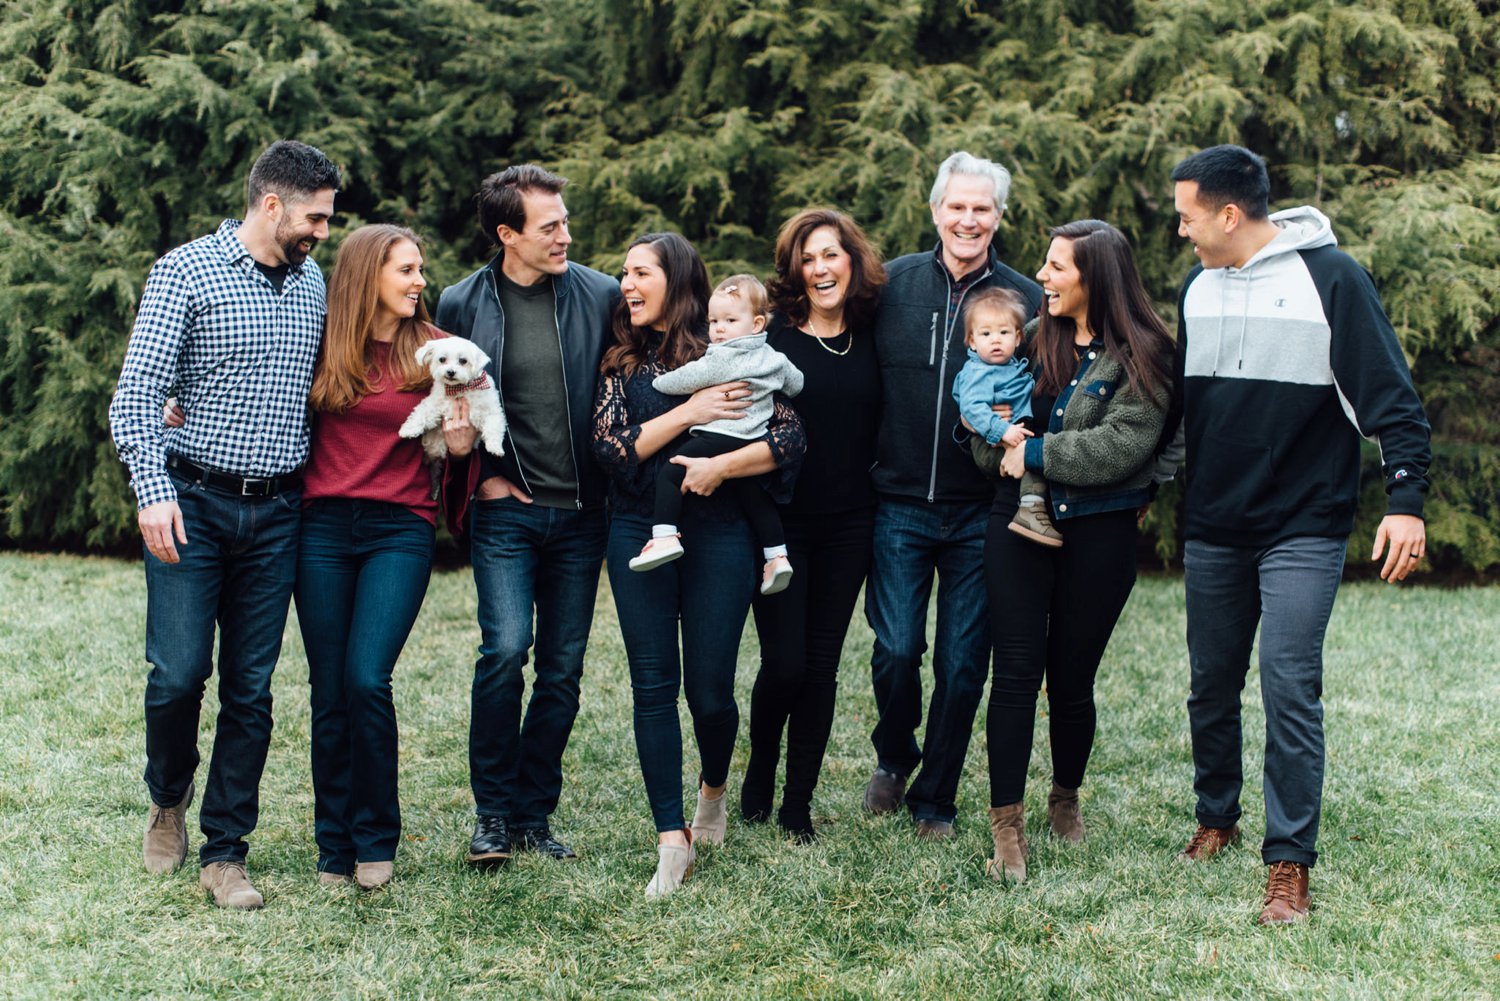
[912,542]
[704,595]
[361,575]
[530,563]
[236,570]
[1288,590]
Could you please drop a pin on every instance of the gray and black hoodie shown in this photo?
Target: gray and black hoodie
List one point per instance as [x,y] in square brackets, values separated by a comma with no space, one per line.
[1284,365]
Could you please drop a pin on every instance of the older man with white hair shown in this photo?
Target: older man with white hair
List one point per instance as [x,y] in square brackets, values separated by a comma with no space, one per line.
[933,502]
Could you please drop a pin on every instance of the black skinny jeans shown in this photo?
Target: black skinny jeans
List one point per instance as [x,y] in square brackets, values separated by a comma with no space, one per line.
[1051,615]
[802,633]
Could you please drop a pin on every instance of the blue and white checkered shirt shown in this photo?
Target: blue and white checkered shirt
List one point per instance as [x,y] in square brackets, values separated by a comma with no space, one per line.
[238,355]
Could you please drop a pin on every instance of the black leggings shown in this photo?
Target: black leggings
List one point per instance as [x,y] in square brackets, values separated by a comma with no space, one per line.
[759,509]
[801,639]
[1051,615]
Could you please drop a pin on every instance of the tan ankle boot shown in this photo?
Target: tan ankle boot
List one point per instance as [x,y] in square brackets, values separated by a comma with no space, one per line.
[1008,827]
[1064,814]
[710,819]
[165,844]
[674,864]
[373,875]
[227,883]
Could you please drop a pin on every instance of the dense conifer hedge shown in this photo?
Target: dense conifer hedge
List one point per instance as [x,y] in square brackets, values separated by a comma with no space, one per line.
[127,127]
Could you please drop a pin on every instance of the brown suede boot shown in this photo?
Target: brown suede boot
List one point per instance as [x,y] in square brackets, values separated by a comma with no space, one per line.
[227,883]
[1008,827]
[1063,813]
[165,844]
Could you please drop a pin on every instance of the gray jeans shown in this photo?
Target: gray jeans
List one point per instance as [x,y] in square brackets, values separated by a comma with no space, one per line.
[1288,590]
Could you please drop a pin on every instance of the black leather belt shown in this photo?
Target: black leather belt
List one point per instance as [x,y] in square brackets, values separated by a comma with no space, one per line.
[244,486]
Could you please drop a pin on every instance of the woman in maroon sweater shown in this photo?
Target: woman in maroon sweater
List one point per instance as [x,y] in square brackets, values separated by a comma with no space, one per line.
[368,526]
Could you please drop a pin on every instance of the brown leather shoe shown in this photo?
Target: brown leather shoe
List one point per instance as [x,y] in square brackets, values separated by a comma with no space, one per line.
[1008,828]
[165,844]
[1063,813]
[1207,842]
[885,792]
[934,830]
[1287,899]
[229,885]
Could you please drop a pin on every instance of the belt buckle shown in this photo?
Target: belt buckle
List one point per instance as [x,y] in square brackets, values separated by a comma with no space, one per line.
[259,487]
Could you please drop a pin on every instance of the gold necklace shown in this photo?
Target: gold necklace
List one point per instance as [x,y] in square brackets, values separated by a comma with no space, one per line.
[813,333]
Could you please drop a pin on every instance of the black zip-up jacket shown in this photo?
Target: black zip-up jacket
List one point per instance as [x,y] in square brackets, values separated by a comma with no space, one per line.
[920,344]
[584,301]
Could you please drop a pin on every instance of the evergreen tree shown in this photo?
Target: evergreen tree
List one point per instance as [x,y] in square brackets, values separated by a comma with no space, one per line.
[128,126]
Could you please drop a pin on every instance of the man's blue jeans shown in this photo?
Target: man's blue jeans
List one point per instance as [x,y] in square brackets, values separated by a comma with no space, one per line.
[1288,589]
[361,575]
[236,570]
[912,541]
[541,564]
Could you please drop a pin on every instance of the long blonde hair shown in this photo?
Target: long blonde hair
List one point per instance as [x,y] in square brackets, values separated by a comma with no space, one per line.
[345,369]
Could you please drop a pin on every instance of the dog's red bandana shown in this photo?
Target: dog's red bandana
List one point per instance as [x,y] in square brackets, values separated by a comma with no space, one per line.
[479,384]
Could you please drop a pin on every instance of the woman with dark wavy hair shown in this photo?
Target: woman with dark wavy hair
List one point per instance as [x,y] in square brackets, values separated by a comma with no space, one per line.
[827,285]
[696,604]
[1104,364]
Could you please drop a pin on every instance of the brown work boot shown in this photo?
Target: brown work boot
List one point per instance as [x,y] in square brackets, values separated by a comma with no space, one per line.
[165,844]
[1207,842]
[1063,813]
[229,885]
[1287,899]
[885,792]
[1008,827]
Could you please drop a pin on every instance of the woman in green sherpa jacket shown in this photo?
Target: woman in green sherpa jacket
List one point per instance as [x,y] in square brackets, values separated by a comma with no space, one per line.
[1104,364]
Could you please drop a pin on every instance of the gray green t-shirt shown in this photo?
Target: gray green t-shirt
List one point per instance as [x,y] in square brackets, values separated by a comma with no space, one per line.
[535,394]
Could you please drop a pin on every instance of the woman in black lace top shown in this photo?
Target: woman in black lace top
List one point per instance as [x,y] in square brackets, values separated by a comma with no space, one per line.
[661,323]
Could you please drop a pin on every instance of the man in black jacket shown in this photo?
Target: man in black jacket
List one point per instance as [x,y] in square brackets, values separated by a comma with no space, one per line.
[1287,360]
[538,526]
[933,502]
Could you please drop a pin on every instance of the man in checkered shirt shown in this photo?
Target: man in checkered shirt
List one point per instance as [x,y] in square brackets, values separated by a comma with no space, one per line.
[231,324]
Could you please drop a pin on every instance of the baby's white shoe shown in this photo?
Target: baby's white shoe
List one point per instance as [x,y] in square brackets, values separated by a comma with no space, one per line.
[660,549]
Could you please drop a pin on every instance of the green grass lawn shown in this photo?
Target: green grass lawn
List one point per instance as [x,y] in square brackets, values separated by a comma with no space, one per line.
[1406,900]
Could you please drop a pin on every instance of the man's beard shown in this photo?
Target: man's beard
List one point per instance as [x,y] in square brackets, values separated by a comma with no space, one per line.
[293,253]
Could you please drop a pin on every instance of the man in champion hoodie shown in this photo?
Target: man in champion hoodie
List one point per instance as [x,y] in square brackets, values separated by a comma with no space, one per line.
[1287,360]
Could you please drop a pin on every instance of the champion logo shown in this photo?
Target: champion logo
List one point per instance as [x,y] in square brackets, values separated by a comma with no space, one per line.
[1401,474]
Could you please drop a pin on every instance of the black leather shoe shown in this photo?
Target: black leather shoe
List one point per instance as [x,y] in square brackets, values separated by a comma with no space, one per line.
[540,840]
[885,792]
[797,825]
[490,845]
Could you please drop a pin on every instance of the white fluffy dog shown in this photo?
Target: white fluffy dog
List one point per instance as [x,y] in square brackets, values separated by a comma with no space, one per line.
[457,368]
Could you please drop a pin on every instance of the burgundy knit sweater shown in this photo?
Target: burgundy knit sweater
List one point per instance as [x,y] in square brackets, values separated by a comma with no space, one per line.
[357,454]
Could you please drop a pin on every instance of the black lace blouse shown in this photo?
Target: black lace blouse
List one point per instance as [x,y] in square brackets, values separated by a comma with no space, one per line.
[622,404]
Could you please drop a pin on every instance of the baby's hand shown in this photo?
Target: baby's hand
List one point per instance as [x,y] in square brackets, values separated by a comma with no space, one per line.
[1015,435]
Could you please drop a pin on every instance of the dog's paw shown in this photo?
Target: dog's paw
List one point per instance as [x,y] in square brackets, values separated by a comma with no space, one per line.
[493,435]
